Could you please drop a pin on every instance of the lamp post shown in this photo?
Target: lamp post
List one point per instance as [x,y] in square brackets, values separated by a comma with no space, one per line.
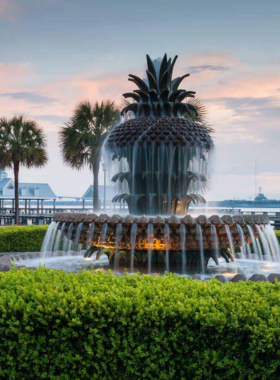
[104,170]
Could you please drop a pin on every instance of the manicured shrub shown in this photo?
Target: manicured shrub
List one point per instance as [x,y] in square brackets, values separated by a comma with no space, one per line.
[22,238]
[55,325]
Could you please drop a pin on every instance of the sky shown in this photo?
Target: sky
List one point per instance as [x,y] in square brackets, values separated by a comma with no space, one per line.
[56,53]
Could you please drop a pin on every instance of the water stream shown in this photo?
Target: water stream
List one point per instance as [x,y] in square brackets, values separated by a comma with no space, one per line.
[273,242]
[133,234]
[69,241]
[118,239]
[230,240]
[267,253]
[214,237]
[167,242]
[49,239]
[242,239]
[90,234]
[254,242]
[78,233]
[150,246]
[103,233]
[57,241]
[183,244]
[201,248]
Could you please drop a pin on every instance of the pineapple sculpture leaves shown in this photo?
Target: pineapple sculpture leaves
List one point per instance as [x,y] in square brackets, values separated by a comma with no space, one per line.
[159,94]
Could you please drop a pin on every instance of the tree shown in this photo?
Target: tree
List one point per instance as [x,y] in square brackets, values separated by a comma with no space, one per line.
[82,137]
[22,143]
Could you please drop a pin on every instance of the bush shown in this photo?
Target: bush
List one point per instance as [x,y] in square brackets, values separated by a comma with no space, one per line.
[22,238]
[58,325]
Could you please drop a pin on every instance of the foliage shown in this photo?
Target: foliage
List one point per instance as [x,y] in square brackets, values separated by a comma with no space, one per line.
[22,143]
[100,326]
[200,115]
[22,238]
[82,138]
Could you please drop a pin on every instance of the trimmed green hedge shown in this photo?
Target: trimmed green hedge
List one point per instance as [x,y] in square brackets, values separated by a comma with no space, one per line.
[22,238]
[58,325]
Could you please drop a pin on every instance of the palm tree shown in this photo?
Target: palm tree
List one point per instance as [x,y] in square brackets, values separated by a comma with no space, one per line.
[82,138]
[22,143]
[200,115]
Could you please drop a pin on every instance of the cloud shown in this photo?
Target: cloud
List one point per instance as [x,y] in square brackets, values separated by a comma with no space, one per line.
[53,118]
[31,97]
[252,107]
[199,69]
[9,10]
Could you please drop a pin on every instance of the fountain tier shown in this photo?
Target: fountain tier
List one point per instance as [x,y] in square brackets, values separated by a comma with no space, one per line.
[160,239]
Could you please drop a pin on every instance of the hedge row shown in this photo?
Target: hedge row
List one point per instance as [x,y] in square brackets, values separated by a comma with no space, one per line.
[22,238]
[58,325]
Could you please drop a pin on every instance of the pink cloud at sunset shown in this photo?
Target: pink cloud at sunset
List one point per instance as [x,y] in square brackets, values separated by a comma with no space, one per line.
[9,10]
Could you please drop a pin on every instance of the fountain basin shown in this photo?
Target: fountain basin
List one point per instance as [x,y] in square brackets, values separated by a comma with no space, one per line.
[74,262]
[112,235]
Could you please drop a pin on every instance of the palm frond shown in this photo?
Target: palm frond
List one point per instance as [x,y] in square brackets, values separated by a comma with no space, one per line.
[198,112]
[22,141]
[82,137]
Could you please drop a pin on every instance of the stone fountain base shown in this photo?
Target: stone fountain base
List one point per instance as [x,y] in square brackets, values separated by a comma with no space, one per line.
[138,240]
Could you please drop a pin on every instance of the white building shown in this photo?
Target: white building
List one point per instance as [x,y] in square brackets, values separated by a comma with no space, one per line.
[27,191]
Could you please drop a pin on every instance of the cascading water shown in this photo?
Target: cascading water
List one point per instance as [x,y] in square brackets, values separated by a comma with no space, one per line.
[201,247]
[230,240]
[90,234]
[254,242]
[150,239]
[133,234]
[242,239]
[49,239]
[183,243]
[273,242]
[167,242]
[103,233]
[57,241]
[265,245]
[248,250]
[77,238]
[259,249]
[65,244]
[78,233]
[214,237]
[159,167]
[69,239]
[118,239]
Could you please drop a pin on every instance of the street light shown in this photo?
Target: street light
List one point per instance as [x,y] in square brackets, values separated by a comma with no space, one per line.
[104,170]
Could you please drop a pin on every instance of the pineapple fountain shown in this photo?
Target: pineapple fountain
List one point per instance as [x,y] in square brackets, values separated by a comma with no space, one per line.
[160,160]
